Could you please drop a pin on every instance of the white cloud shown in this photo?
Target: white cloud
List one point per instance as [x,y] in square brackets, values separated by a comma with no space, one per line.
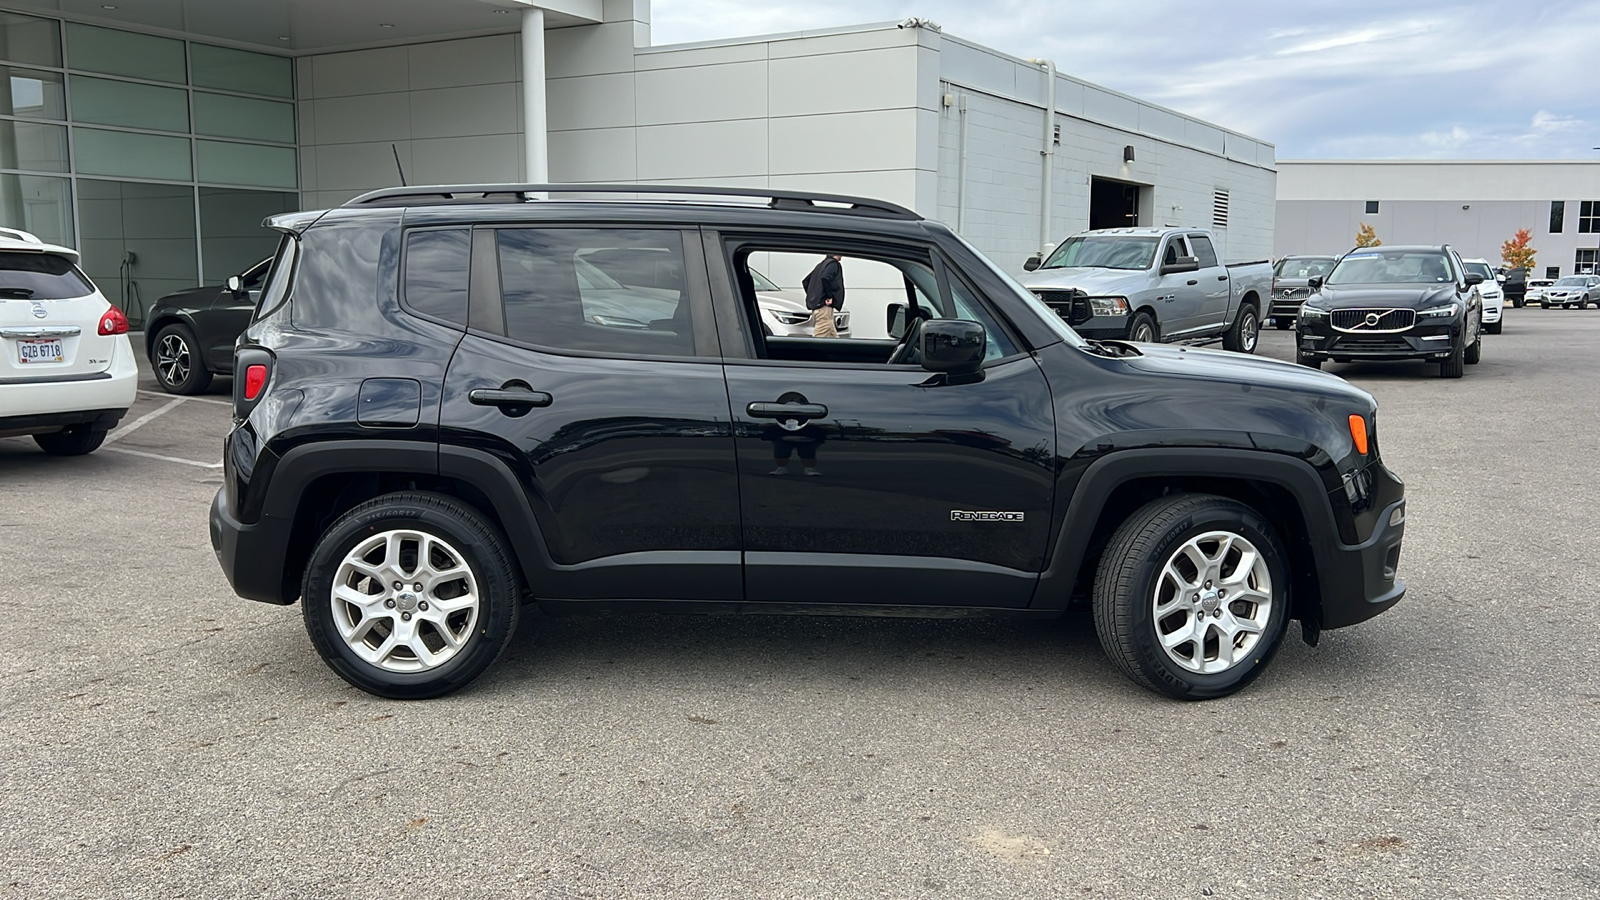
[1474,78]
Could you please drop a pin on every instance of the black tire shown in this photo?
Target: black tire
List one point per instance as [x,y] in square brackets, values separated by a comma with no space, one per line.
[1143,328]
[1454,367]
[1474,352]
[1518,303]
[1246,331]
[465,531]
[1493,327]
[1543,305]
[74,440]
[1310,362]
[175,357]
[1282,323]
[1130,575]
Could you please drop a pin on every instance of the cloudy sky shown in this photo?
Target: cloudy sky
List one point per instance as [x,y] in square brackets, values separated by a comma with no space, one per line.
[1347,80]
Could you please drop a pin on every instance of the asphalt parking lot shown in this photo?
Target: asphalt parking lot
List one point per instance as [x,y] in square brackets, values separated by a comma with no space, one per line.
[163,738]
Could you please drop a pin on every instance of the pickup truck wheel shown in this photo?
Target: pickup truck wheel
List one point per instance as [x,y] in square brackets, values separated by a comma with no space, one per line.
[410,595]
[1191,598]
[1143,330]
[1245,333]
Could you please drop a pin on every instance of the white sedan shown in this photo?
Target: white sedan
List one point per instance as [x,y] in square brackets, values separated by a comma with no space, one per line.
[67,372]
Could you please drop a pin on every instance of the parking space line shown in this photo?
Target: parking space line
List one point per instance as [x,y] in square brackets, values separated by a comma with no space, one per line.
[140,422]
[187,399]
[175,459]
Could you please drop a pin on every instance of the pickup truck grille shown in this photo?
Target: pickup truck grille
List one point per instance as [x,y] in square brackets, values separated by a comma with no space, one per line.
[1073,306]
[1374,321]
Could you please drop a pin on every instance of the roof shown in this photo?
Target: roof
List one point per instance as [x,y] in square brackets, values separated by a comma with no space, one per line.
[13,240]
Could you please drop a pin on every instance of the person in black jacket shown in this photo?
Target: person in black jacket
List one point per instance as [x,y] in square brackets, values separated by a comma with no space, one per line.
[825,295]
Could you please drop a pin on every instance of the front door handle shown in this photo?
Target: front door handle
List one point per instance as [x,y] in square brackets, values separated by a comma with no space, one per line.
[512,401]
[1222,278]
[1194,281]
[786,410]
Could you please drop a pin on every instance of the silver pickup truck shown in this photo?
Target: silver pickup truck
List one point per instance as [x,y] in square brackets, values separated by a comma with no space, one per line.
[1152,284]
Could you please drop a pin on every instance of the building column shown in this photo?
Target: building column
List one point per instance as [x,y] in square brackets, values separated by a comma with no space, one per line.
[535,132]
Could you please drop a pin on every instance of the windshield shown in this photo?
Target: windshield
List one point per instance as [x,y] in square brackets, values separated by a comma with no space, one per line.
[40,276]
[1392,267]
[1482,270]
[1302,267]
[1572,281]
[762,282]
[1103,252]
[1046,314]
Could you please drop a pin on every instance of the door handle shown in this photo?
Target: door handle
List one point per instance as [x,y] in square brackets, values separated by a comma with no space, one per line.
[1194,281]
[786,410]
[509,398]
[1222,278]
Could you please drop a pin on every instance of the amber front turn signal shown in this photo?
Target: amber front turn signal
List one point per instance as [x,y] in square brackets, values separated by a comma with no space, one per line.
[1358,433]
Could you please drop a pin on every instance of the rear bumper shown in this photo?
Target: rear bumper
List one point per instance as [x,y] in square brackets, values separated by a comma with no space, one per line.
[42,423]
[45,394]
[251,556]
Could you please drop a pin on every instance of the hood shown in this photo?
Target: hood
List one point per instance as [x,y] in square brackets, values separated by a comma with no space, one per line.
[1243,369]
[1094,282]
[1403,296]
[792,301]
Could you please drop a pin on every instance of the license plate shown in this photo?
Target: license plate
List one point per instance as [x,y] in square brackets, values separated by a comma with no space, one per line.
[29,352]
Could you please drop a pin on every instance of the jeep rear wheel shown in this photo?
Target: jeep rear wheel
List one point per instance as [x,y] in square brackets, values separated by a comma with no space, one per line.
[1191,598]
[410,595]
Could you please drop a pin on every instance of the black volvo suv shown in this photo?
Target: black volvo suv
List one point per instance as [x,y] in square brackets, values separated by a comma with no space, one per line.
[452,401]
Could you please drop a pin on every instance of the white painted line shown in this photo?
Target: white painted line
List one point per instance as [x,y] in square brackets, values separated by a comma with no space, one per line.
[140,422]
[187,399]
[174,459]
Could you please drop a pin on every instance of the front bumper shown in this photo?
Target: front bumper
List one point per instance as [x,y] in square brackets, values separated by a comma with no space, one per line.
[1317,339]
[1285,308]
[1364,580]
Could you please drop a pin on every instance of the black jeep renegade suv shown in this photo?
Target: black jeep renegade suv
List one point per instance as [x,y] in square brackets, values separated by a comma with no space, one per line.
[455,400]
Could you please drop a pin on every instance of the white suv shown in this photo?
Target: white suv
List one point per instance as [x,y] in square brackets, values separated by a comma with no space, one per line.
[67,372]
[1492,292]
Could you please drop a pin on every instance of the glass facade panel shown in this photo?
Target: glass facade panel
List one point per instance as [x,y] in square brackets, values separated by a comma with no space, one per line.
[26,39]
[106,102]
[138,241]
[231,236]
[241,71]
[115,52]
[223,163]
[127,155]
[242,117]
[38,204]
[33,93]
[33,145]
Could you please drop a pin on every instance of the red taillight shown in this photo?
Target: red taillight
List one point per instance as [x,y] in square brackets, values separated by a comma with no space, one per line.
[113,322]
[255,378]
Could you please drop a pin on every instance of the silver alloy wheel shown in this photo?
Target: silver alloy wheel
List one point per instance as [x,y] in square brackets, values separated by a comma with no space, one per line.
[172,359]
[1250,330]
[1212,602]
[1144,334]
[405,601]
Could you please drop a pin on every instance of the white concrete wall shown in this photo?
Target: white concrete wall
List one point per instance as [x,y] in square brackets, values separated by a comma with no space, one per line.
[451,109]
[1321,204]
[1180,160]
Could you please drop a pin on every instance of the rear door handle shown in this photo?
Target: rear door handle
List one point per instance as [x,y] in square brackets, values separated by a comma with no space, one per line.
[1222,278]
[508,398]
[786,410]
[1194,281]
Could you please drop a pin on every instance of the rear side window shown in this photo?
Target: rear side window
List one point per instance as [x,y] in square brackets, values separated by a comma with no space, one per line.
[41,276]
[1203,250]
[608,291]
[436,265]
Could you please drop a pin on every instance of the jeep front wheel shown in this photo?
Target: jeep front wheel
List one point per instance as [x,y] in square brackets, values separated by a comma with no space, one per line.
[1191,598]
[410,595]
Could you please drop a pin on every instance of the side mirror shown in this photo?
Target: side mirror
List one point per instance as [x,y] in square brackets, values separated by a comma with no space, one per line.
[1500,278]
[1314,282]
[1474,279]
[235,284]
[1181,264]
[895,320]
[953,346]
[1033,262]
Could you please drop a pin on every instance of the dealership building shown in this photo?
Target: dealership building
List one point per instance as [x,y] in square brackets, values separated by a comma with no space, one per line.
[1473,205]
[155,136]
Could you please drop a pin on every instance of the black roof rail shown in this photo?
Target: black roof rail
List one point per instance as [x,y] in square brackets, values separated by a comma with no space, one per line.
[451,194]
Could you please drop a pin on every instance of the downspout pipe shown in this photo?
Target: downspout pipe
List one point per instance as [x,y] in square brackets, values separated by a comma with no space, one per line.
[1048,152]
[961,174]
[535,130]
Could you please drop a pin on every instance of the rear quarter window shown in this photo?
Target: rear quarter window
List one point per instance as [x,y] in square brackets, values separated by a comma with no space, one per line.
[41,276]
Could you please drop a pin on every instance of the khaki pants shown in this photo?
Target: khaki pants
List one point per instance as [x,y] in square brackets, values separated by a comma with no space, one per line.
[822,323]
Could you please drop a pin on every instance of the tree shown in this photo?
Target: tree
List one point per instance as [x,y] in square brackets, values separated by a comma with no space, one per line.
[1516,253]
[1367,236]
